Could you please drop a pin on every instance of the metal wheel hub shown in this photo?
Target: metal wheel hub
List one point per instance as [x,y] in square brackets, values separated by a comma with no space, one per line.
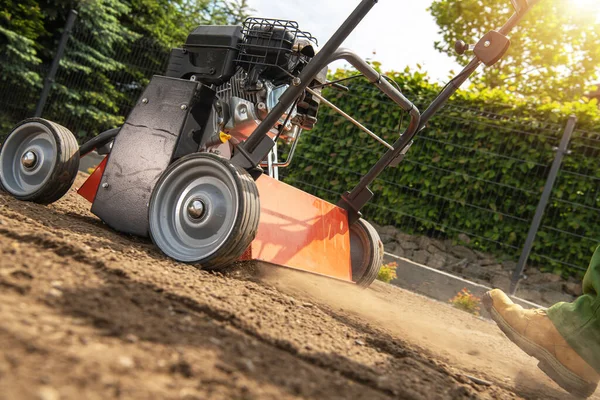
[193,209]
[28,159]
[196,209]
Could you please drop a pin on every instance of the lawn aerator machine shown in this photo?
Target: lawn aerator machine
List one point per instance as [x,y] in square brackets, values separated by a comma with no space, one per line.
[186,167]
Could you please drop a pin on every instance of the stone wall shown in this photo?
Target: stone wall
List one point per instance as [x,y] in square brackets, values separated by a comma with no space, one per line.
[457,259]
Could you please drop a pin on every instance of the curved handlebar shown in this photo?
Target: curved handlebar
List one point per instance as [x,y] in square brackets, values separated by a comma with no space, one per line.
[376,78]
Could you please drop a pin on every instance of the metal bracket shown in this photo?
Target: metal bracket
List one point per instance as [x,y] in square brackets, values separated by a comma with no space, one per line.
[249,160]
[565,151]
[142,150]
[354,205]
[396,161]
[491,48]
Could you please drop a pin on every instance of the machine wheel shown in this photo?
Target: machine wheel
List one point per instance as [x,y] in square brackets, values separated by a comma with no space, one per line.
[38,161]
[366,253]
[204,210]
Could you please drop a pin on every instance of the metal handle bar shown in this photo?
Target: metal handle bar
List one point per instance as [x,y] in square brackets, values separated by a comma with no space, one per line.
[361,194]
[354,200]
[456,83]
[373,76]
[258,145]
[377,79]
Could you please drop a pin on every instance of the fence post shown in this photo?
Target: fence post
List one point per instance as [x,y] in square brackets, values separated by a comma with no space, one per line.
[55,63]
[539,212]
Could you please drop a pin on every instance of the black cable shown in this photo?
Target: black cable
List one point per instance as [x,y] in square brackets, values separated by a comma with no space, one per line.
[464,72]
[336,81]
[393,82]
[98,141]
[287,119]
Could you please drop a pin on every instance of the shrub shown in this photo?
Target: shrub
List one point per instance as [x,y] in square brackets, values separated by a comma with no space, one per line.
[466,301]
[387,272]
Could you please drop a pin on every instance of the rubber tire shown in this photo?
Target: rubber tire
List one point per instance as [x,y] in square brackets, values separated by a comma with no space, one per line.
[246,222]
[367,259]
[65,170]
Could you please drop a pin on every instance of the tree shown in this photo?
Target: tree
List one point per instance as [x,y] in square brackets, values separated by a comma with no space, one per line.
[232,12]
[21,70]
[85,93]
[20,26]
[116,46]
[555,50]
[170,21]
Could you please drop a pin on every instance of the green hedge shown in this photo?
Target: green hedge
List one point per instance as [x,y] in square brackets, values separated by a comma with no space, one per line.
[478,169]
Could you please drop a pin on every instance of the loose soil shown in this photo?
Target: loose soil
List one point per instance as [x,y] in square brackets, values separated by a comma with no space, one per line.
[88,313]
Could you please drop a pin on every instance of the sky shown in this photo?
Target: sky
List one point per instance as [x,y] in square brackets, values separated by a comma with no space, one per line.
[400,32]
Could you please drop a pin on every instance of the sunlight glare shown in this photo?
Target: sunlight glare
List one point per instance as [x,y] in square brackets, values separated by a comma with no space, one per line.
[588,5]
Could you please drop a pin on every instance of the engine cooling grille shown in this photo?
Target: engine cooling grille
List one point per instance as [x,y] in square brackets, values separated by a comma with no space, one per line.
[235,88]
[269,42]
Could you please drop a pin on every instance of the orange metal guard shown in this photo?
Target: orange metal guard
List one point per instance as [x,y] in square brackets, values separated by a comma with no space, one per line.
[90,187]
[301,231]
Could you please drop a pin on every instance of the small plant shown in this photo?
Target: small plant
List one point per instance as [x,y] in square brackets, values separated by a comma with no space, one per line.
[466,301]
[387,272]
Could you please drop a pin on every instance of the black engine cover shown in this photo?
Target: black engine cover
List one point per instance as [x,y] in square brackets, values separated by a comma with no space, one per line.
[209,54]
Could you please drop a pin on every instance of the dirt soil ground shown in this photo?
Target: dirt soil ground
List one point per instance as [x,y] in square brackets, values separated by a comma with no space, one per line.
[89,313]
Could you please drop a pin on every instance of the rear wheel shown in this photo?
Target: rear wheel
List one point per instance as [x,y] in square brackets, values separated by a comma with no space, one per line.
[366,253]
[38,161]
[204,210]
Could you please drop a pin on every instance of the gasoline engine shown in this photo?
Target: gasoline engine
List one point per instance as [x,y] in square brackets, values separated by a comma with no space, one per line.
[250,67]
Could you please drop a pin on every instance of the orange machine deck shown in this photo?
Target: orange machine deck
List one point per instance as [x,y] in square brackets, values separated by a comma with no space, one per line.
[301,231]
[297,230]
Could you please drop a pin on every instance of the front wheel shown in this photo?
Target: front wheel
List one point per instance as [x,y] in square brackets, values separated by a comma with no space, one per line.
[366,253]
[38,161]
[204,210]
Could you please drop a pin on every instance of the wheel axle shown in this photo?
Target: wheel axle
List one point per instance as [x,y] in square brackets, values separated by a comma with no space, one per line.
[29,160]
[196,209]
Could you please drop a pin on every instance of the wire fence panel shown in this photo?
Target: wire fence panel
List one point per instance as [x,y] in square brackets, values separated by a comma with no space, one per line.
[472,174]
[18,100]
[570,230]
[94,93]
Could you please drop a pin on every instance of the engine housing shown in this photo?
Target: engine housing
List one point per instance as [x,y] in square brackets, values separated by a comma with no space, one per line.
[250,67]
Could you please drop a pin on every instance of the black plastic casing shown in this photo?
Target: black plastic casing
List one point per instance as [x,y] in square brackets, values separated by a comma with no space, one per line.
[169,121]
[209,54]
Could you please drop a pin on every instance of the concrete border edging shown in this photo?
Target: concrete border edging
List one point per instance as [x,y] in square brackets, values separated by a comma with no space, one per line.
[439,285]
[90,161]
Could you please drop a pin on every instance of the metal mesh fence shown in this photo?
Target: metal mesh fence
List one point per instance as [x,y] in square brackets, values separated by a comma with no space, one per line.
[473,172]
[18,101]
[569,230]
[93,95]
[93,91]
